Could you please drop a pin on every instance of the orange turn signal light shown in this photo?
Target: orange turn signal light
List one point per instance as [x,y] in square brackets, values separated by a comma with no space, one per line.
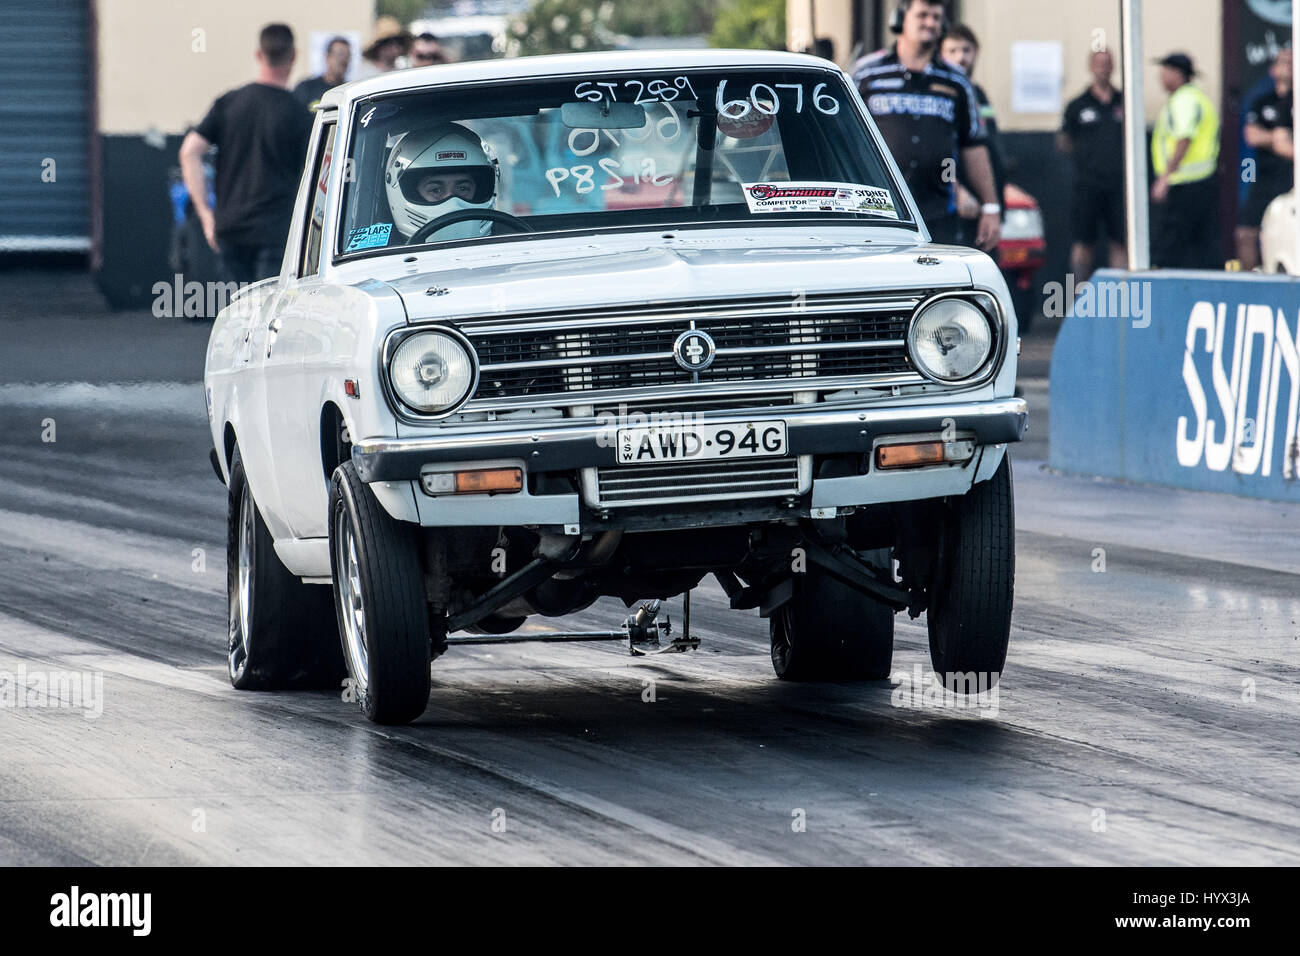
[489,481]
[483,481]
[921,453]
[910,456]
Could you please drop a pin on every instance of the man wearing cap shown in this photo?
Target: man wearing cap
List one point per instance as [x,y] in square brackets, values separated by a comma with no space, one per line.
[1185,153]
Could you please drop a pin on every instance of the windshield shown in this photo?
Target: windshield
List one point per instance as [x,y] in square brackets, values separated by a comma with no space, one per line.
[639,151]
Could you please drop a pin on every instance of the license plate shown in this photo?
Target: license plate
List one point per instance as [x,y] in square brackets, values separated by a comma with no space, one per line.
[644,445]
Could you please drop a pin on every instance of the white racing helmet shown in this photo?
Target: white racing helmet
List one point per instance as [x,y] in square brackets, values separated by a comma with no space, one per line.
[445,148]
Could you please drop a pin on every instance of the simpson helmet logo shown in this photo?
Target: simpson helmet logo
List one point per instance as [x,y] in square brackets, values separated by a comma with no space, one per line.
[449,155]
[768,191]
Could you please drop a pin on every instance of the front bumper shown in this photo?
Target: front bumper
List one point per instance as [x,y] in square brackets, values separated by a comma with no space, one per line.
[560,446]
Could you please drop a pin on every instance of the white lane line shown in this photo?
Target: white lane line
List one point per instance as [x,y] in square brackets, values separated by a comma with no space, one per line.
[23,644]
[156,399]
[147,556]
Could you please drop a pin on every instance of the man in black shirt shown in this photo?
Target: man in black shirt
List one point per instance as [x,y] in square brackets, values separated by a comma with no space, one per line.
[338,56]
[930,119]
[1270,126]
[961,48]
[261,132]
[1092,132]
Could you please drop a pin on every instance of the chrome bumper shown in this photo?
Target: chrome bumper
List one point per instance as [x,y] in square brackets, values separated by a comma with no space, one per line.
[559,446]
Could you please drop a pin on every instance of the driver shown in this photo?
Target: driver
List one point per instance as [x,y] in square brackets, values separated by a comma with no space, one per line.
[440,170]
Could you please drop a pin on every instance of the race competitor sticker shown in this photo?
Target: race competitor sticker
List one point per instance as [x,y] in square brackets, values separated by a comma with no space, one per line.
[819,197]
[369,237]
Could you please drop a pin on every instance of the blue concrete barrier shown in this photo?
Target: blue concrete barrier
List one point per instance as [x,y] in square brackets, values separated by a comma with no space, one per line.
[1180,378]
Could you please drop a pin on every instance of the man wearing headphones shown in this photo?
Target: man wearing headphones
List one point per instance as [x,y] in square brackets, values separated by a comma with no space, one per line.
[930,118]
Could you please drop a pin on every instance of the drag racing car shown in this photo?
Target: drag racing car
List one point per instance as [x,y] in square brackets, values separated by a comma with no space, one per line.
[718,344]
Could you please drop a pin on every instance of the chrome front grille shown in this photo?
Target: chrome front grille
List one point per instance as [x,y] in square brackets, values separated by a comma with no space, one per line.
[774,344]
[717,480]
[693,405]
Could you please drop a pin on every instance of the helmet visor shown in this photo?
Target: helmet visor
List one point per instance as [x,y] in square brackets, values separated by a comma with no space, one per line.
[432,185]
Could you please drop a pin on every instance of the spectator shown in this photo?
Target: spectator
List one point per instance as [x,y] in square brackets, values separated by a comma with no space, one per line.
[928,115]
[1185,152]
[1270,124]
[390,42]
[1092,133]
[338,57]
[961,48]
[1262,88]
[260,131]
[425,51]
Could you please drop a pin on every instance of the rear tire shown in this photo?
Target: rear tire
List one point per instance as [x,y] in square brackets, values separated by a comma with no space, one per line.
[969,616]
[282,633]
[828,631]
[383,616]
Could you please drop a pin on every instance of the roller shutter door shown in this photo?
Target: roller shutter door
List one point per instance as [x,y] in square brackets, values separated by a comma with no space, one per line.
[44,116]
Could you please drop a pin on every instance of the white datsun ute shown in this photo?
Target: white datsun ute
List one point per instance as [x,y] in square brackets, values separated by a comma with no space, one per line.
[558,328]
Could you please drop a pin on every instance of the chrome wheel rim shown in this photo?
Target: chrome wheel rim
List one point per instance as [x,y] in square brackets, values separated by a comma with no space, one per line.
[242,599]
[353,612]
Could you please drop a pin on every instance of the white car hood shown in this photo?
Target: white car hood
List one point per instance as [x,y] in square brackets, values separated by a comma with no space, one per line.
[525,278]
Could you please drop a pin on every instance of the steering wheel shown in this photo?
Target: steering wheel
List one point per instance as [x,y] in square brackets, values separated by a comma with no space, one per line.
[464,215]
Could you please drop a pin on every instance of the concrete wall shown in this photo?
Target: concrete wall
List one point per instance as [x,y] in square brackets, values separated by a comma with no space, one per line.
[1194,26]
[1188,379]
[162,62]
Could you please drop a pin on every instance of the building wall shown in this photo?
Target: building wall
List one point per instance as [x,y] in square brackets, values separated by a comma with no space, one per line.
[157,73]
[1193,26]
[805,20]
[161,63]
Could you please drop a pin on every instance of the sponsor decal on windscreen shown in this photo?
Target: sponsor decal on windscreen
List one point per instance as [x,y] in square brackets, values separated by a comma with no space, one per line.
[819,197]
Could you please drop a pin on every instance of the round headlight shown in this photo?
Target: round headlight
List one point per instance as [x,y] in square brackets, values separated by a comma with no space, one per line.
[432,372]
[950,339]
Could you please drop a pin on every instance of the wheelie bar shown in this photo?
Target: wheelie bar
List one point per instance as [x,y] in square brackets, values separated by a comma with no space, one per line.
[639,629]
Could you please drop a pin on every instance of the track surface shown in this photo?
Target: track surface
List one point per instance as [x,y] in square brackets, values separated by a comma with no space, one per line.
[1149,713]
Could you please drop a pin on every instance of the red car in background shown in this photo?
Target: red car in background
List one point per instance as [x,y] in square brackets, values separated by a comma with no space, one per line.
[1022,252]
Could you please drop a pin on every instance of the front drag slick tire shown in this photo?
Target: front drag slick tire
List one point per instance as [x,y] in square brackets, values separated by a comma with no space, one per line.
[830,632]
[969,617]
[383,619]
[281,632]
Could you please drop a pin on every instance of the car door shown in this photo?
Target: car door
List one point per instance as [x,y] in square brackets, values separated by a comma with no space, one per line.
[293,415]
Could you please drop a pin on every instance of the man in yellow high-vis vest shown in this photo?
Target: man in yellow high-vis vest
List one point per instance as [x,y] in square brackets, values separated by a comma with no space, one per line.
[1185,153]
